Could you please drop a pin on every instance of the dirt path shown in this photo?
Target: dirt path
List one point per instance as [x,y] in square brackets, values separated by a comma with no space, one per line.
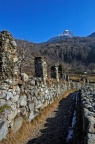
[58,123]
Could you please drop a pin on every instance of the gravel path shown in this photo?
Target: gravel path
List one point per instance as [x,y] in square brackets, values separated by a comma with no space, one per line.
[58,124]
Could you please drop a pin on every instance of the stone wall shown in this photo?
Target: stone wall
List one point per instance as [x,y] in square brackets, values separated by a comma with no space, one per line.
[22,96]
[54,72]
[26,99]
[88,114]
[40,68]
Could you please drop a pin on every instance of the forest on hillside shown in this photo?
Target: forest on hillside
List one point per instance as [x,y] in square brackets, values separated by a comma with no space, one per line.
[77,54]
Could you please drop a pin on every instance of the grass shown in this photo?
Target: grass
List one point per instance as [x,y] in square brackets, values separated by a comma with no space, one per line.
[27,129]
[3,108]
[78,77]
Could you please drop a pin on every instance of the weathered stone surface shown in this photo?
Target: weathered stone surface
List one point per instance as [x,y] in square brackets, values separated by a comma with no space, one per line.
[3,93]
[89,139]
[38,104]
[88,114]
[89,123]
[44,105]
[3,129]
[13,43]
[9,95]
[9,81]
[40,68]
[15,98]
[17,124]
[24,77]
[9,103]
[8,66]
[31,106]
[32,115]
[12,115]
[17,89]
[2,102]
[32,82]
[23,101]
[4,86]
[13,106]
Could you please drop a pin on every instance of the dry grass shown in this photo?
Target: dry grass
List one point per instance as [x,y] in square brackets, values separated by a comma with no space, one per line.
[28,129]
[75,77]
[91,78]
[79,77]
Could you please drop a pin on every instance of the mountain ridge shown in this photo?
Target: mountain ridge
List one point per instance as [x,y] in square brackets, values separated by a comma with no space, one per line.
[92,35]
[66,34]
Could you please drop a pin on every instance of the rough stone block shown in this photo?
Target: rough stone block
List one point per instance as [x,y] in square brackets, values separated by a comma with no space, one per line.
[12,115]
[24,77]
[3,130]
[32,82]
[17,124]
[15,98]
[89,139]
[33,115]
[23,101]
[9,95]
[31,106]
[2,102]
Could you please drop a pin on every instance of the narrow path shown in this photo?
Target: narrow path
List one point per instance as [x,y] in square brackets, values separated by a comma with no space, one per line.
[61,127]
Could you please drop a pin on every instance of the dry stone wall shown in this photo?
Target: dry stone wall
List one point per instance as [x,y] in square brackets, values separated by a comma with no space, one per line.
[22,96]
[26,100]
[88,113]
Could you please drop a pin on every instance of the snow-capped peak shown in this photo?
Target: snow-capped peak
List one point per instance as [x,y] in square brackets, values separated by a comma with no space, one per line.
[66,33]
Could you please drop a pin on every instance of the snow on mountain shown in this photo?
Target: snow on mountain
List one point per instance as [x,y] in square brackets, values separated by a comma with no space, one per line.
[67,33]
[64,35]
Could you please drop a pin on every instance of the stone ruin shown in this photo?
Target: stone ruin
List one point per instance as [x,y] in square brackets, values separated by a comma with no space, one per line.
[40,68]
[9,68]
[54,72]
[27,99]
[8,56]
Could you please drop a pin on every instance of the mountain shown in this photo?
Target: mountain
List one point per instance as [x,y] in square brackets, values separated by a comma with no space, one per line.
[77,53]
[92,35]
[65,35]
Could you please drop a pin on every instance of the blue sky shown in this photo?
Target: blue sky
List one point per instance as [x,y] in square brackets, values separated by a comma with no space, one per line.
[39,20]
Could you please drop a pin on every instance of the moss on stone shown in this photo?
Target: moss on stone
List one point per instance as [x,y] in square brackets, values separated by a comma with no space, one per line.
[3,108]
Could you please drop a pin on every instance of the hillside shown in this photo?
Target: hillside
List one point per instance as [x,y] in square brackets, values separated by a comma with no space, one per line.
[77,53]
[92,35]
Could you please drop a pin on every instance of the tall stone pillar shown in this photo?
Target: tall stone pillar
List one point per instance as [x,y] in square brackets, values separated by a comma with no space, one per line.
[8,56]
[54,72]
[40,68]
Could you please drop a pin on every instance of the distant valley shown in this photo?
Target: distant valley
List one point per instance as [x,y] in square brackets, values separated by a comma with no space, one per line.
[77,53]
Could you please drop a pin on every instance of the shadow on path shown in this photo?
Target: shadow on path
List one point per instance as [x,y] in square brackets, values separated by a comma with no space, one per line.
[56,128]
